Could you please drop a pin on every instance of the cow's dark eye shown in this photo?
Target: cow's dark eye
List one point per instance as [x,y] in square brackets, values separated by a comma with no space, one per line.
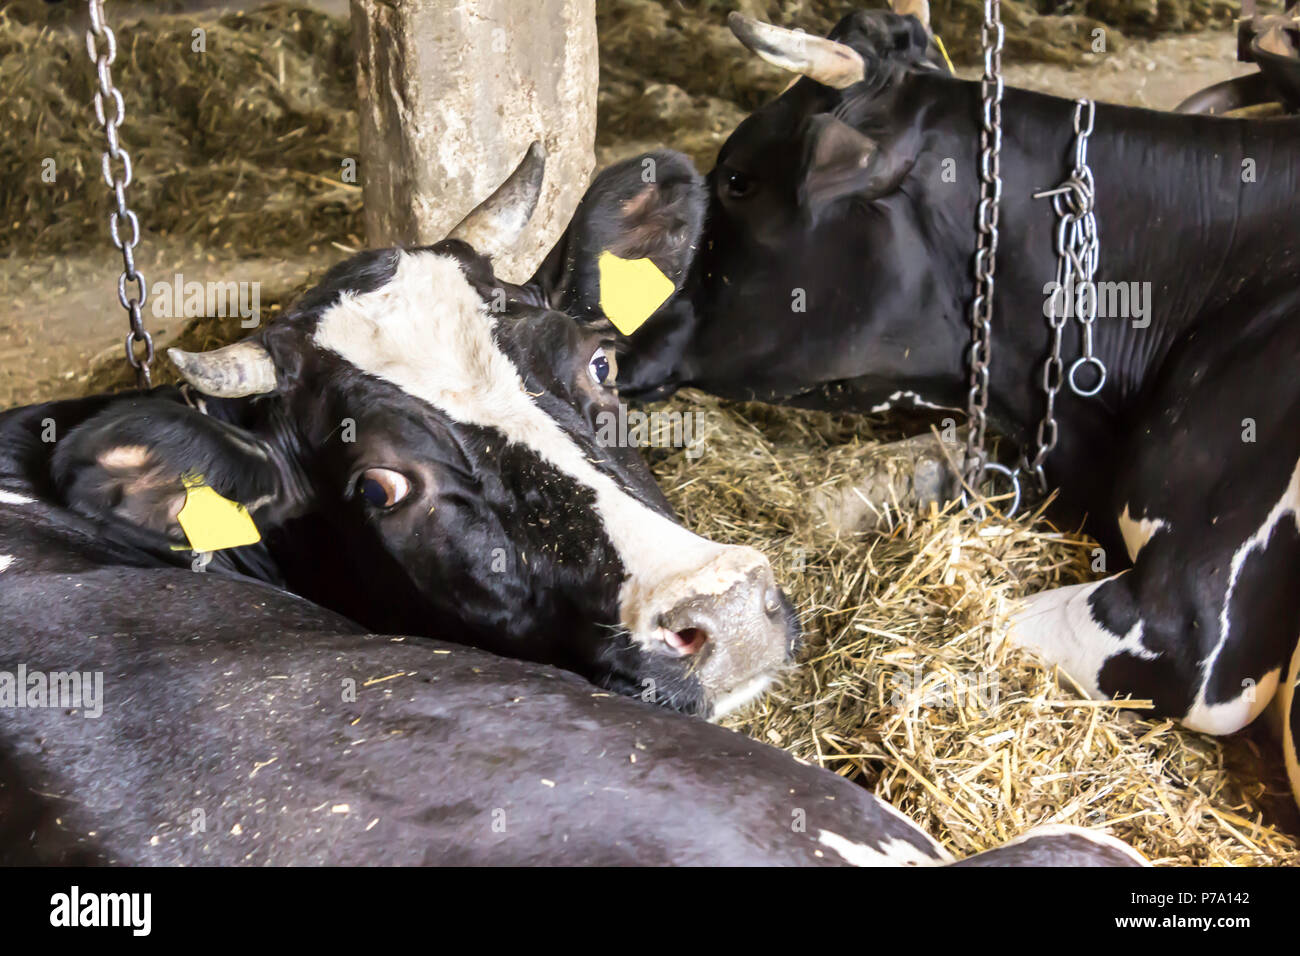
[736,185]
[603,366]
[382,487]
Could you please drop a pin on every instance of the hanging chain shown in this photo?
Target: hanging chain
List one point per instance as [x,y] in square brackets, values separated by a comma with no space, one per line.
[117,181]
[1078,250]
[981,311]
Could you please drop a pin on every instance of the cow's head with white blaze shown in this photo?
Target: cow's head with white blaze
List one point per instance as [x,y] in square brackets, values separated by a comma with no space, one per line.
[418,440]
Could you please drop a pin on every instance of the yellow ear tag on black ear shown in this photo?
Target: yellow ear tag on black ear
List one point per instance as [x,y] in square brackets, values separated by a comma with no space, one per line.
[631,290]
[213,523]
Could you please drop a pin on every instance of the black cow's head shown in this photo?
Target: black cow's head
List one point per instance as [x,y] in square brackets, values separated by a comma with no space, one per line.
[826,255]
[425,438]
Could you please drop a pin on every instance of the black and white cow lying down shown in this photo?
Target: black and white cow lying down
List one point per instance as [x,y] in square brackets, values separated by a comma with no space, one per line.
[150,713]
[416,443]
[840,196]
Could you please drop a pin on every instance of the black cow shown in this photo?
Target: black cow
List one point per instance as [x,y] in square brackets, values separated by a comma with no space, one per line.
[417,443]
[236,723]
[835,271]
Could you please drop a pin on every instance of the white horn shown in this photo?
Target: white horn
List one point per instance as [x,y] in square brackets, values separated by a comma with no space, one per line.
[233,371]
[829,63]
[495,224]
[917,8]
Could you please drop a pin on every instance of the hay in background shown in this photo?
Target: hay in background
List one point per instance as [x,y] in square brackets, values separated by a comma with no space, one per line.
[237,148]
[904,682]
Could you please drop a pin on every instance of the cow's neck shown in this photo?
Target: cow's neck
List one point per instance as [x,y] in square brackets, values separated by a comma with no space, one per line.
[1176,209]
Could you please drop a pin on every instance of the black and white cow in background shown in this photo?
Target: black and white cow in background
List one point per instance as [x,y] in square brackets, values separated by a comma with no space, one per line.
[416,441]
[152,714]
[840,196]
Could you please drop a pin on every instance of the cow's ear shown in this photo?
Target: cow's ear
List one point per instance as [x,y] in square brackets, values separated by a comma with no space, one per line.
[630,244]
[840,161]
[180,477]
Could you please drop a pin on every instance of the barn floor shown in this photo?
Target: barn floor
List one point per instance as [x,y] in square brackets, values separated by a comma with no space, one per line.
[1179,797]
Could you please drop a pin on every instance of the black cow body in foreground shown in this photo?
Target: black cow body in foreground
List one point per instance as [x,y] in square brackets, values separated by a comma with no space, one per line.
[178,707]
[836,271]
[241,724]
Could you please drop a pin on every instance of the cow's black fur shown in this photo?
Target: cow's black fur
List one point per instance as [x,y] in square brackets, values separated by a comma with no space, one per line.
[244,725]
[230,735]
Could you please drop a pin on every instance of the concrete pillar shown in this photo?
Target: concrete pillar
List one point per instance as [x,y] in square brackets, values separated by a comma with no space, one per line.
[451,94]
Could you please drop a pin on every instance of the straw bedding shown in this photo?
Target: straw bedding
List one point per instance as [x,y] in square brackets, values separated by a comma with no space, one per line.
[903,682]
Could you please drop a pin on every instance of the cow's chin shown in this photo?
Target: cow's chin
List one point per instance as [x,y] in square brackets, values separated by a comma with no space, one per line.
[659,687]
[747,691]
[685,693]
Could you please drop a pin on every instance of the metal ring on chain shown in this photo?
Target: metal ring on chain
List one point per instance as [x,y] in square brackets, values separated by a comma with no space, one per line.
[1078,251]
[1084,362]
[1011,474]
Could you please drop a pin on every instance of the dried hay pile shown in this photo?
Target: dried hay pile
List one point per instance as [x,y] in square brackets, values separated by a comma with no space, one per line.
[237,148]
[902,683]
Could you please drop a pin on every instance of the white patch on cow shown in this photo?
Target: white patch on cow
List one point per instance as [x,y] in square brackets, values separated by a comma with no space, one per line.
[936,848]
[914,398]
[1058,625]
[13,498]
[1290,697]
[428,332]
[1138,533]
[741,696]
[1231,715]
[1051,831]
[891,852]
[5,561]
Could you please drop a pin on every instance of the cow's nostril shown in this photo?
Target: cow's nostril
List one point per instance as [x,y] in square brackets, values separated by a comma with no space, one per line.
[772,601]
[687,641]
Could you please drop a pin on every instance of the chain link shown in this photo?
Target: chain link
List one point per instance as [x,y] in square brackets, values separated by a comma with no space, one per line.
[981,311]
[1078,250]
[117,180]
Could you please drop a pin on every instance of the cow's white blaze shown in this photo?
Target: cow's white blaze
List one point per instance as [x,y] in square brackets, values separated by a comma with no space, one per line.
[1138,532]
[428,332]
[5,561]
[1058,624]
[13,498]
[891,851]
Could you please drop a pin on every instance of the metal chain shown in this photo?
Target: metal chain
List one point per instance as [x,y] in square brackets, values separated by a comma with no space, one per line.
[1078,250]
[117,181]
[981,311]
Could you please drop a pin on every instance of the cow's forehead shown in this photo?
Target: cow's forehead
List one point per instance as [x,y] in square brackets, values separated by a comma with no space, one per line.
[428,331]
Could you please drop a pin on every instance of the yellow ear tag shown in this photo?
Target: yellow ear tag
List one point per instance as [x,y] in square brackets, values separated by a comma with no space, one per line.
[213,523]
[631,290]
